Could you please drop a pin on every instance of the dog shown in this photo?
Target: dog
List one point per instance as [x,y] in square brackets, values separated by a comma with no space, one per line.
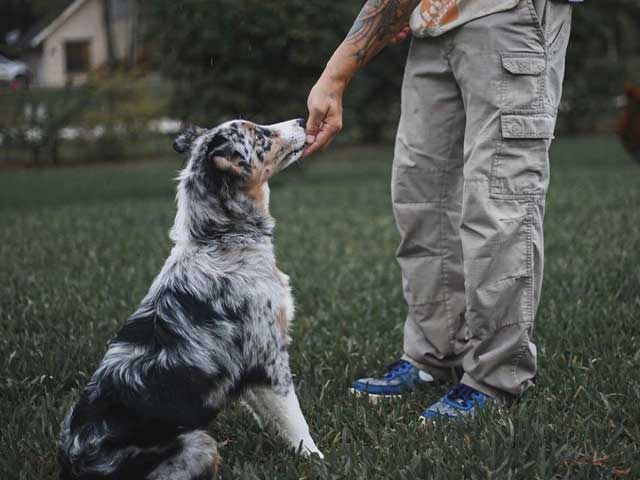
[213,327]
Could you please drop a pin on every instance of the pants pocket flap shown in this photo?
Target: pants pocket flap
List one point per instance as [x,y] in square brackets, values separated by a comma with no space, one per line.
[527,126]
[524,64]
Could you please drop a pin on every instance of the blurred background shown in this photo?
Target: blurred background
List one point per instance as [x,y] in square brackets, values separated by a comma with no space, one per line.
[95,80]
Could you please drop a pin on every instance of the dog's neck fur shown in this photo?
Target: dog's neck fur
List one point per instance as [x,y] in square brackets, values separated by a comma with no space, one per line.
[232,217]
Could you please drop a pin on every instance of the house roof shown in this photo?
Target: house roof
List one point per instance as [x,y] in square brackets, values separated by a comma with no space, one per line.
[44,28]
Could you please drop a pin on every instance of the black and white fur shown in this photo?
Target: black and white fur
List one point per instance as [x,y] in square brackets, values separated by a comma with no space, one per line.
[212,328]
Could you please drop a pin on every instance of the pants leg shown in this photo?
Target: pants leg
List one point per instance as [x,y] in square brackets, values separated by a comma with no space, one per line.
[509,67]
[427,203]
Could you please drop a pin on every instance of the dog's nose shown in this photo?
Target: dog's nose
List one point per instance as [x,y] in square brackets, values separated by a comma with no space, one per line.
[302,122]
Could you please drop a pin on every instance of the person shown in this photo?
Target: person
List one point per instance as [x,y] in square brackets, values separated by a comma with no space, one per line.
[480,96]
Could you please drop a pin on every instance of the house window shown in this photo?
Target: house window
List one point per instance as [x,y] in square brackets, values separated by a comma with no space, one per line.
[77,54]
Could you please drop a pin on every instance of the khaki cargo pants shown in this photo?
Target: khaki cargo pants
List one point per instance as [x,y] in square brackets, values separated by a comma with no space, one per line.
[470,174]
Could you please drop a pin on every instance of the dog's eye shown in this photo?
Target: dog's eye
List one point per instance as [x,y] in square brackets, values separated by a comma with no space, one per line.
[264,132]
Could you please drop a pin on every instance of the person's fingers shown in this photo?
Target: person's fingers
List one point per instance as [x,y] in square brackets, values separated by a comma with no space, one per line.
[310,150]
[325,135]
[318,144]
[316,116]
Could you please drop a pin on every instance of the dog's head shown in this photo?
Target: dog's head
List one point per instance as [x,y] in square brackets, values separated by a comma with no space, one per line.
[241,152]
[228,168]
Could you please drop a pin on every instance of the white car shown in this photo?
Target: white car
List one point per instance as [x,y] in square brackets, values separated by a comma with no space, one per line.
[16,74]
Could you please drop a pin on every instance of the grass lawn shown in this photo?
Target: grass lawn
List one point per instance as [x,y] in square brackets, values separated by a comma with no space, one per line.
[80,246]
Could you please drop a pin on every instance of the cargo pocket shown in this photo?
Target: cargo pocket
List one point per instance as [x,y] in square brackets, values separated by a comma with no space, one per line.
[523,82]
[520,166]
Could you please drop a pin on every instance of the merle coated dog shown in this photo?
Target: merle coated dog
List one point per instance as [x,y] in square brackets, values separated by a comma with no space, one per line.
[212,328]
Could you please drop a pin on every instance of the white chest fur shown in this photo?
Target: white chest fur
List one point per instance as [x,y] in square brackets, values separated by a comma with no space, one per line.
[287,307]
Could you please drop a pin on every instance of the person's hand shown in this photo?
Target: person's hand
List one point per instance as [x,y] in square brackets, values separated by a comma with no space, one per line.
[325,114]
[325,99]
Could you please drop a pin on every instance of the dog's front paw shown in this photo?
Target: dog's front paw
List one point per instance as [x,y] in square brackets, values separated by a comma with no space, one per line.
[319,454]
[309,448]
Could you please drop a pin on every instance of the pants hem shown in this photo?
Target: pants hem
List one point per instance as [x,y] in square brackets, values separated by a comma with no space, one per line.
[438,373]
[501,396]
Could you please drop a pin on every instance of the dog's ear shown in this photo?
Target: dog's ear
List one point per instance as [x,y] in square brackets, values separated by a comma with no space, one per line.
[182,142]
[225,165]
[224,156]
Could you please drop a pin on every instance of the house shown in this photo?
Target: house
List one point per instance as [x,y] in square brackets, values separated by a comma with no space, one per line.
[65,49]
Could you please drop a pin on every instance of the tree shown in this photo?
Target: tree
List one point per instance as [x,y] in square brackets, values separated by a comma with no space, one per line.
[604,52]
[256,58]
[259,59]
[108,29]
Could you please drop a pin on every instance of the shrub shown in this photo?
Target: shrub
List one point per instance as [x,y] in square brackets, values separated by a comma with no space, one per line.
[105,116]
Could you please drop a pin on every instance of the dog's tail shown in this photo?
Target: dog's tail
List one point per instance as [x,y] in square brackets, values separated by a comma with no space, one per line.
[195,458]
[91,454]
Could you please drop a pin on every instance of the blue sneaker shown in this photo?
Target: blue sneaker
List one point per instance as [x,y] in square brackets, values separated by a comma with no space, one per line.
[400,377]
[460,402]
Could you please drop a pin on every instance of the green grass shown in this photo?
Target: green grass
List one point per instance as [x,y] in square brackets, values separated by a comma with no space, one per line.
[79,247]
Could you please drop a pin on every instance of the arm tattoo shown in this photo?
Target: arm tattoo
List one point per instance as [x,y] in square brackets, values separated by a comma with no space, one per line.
[377,22]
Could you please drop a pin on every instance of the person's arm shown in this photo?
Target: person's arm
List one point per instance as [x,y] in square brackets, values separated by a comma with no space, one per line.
[379,23]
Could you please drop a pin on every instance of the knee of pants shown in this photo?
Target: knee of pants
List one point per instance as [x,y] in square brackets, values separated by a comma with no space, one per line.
[426,207]
[419,226]
[414,181]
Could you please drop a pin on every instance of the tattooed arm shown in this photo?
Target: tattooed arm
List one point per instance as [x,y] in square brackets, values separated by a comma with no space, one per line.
[379,23]
[376,25]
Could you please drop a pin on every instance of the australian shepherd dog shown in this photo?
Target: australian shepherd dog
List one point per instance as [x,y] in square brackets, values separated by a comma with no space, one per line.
[212,328]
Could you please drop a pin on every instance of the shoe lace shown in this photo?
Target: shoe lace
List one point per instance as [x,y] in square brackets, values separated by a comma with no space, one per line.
[462,394]
[397,368]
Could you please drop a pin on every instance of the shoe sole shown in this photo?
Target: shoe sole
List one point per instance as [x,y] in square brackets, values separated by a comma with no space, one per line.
[426,422]
[372,397]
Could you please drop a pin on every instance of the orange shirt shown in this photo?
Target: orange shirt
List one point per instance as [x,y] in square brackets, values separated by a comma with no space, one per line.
[435,17]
